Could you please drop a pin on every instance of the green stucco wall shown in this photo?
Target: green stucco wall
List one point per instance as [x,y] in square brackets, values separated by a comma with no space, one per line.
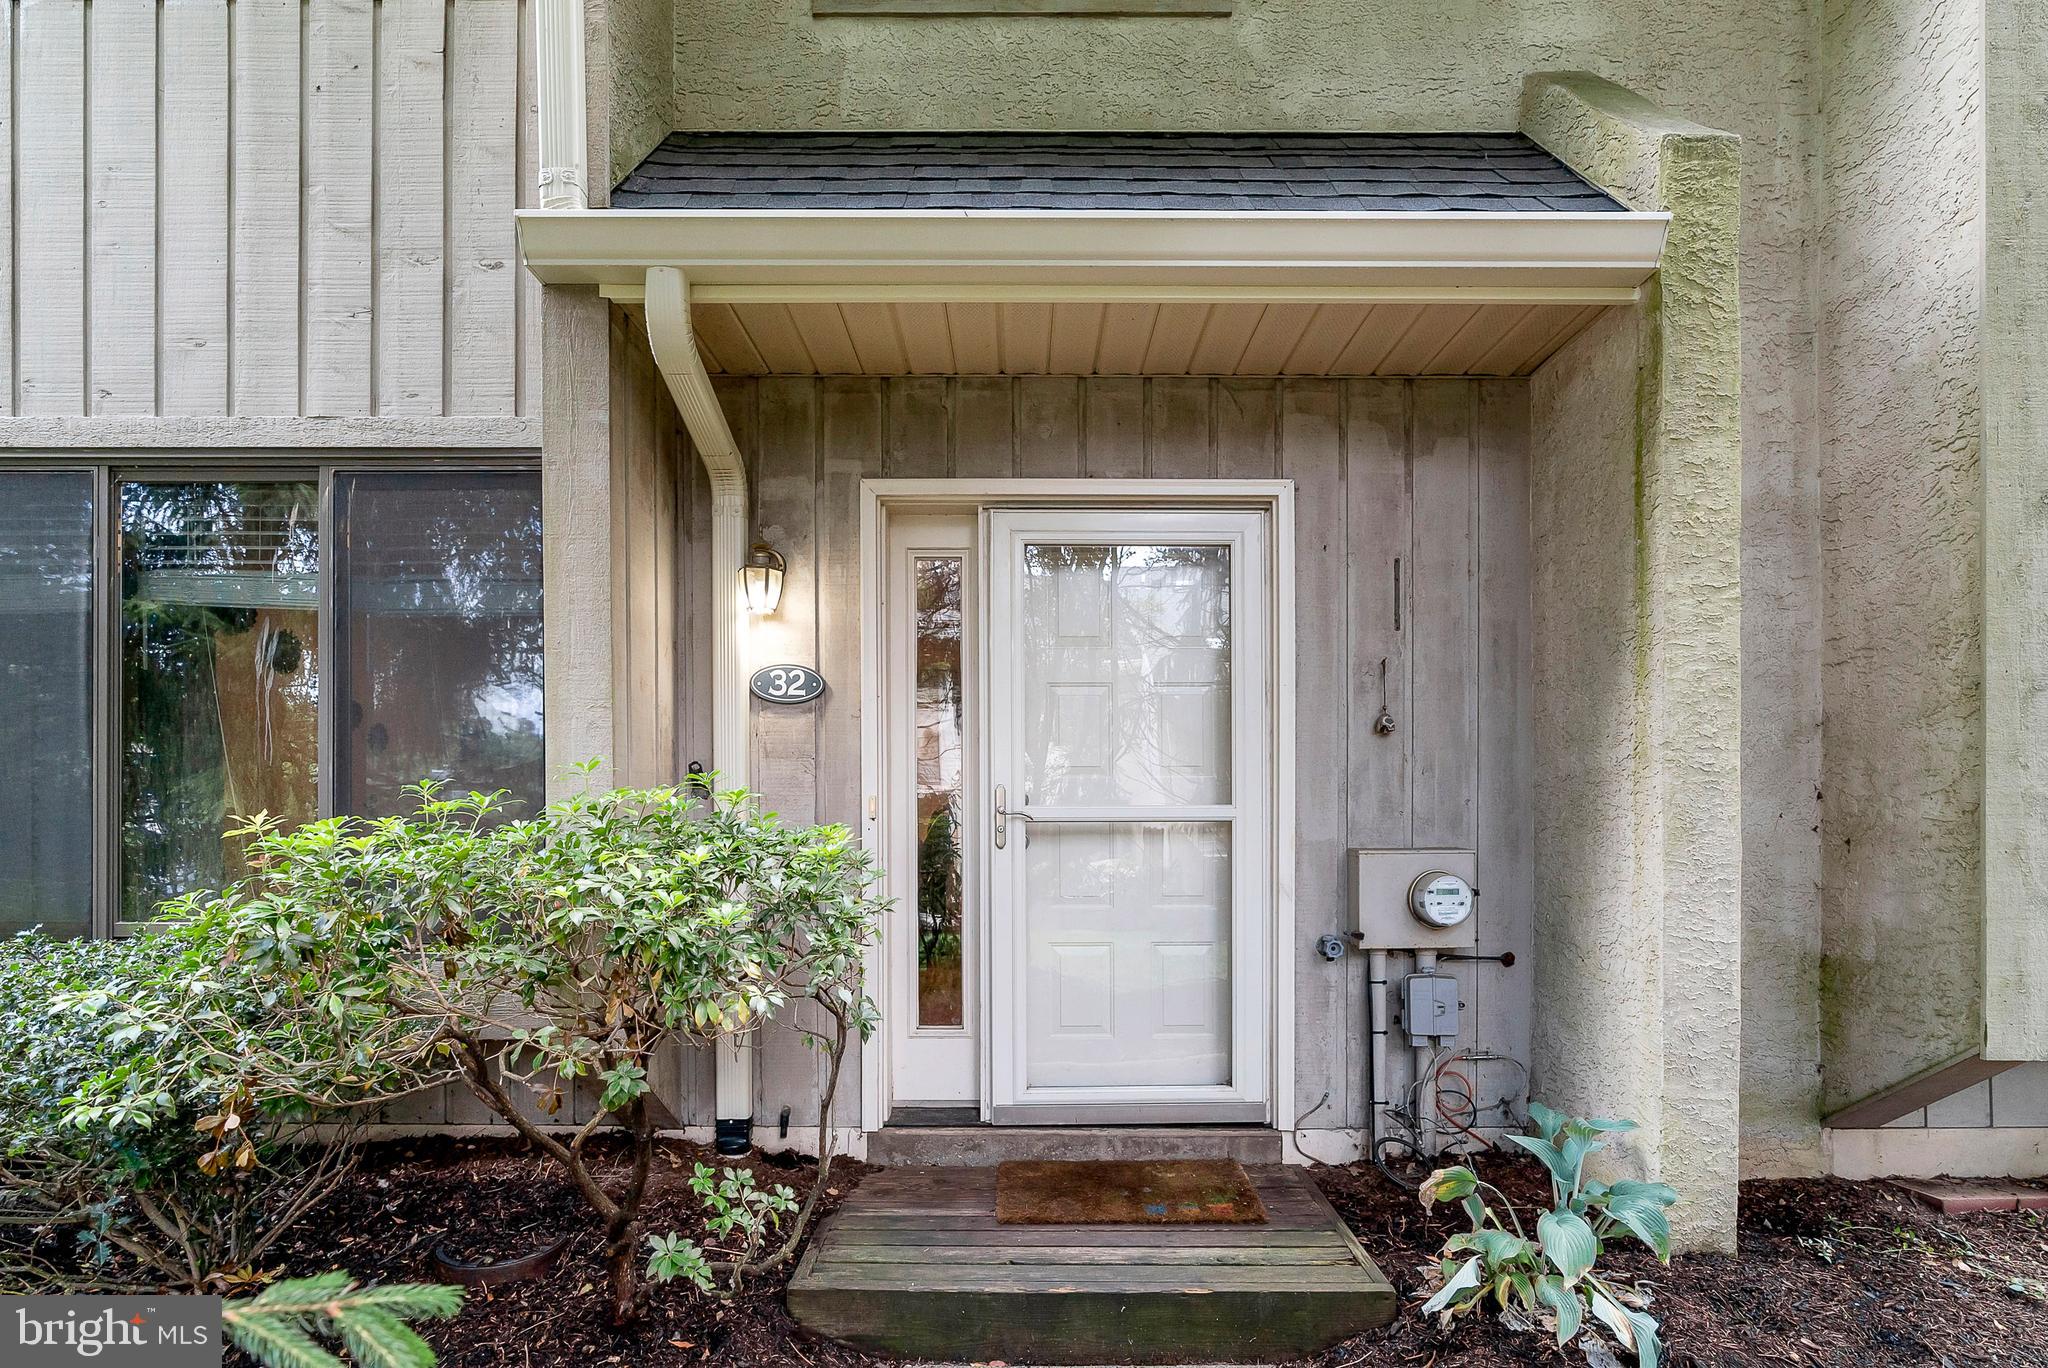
[1636,453]
[1873,362]
[1902,988]
[1745,67]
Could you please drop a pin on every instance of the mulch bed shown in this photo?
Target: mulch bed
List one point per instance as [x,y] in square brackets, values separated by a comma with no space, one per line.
[1831,1272]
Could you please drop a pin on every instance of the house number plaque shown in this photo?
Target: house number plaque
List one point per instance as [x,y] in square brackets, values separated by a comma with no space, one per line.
[787,684]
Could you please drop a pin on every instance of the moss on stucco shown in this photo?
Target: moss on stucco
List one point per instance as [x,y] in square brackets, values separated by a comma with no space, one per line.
[1672,882]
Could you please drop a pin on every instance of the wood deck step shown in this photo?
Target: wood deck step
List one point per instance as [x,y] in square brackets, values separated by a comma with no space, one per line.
[915,1265]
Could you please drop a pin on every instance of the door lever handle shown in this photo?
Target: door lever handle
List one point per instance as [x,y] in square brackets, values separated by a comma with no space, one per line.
[1004,816]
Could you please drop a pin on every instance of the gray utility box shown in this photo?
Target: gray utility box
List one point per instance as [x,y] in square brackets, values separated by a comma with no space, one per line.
[1380,885]
[1429,1007]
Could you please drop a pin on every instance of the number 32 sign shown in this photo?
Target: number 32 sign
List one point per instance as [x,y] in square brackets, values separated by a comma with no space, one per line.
[787,684]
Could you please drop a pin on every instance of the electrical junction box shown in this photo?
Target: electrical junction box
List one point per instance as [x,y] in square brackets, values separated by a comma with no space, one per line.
[1407,899]
[1429,1007]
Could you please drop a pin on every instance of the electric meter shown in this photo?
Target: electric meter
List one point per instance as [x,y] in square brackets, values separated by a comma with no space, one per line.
[1414,899]
[1440,899]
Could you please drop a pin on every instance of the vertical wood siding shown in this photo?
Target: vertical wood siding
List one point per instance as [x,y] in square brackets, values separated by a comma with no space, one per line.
[266,208]
[1433,473]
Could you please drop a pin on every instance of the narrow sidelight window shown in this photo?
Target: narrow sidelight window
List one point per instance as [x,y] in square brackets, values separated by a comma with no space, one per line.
[46,592]
[220,676]
[940,731]
[438,637]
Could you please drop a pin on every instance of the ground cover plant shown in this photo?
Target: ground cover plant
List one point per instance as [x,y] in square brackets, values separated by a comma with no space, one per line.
[527,957]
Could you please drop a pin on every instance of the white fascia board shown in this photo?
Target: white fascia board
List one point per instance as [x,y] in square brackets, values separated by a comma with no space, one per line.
[869,253]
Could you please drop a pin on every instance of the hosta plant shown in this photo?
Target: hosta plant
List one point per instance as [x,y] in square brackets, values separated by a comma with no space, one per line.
[1546,1276]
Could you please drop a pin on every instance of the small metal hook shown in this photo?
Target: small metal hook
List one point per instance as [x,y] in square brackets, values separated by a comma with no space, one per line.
[1383,725]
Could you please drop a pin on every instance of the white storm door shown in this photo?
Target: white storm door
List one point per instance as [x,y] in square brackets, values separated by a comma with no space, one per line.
[1128,816]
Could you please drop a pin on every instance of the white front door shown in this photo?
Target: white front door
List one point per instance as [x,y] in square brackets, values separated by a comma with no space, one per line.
[1128,803]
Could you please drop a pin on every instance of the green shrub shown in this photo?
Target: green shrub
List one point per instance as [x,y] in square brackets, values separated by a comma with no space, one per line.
[524,955]
[138,1112]
[1549,1278]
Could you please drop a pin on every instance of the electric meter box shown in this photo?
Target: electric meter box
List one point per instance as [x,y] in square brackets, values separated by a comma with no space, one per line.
[1414,899]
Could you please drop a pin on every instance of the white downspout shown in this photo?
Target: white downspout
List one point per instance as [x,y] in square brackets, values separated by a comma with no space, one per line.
[563,121]
[674,343]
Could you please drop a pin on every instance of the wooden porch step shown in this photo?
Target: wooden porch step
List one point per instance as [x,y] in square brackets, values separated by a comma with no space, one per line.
[915,1265]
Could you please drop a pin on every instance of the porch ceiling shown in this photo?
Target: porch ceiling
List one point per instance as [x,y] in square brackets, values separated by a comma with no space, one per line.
[1236,337]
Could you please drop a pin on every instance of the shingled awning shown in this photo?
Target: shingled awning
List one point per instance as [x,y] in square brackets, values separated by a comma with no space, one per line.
[1146,172]
[1111,253]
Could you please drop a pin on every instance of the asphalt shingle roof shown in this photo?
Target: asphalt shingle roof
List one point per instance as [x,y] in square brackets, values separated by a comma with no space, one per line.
[1160,172]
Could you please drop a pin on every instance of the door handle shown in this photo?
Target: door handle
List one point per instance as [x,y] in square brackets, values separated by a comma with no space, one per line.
[1004,816]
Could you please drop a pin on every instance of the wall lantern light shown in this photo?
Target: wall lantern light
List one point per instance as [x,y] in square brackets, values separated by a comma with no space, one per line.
[761,578]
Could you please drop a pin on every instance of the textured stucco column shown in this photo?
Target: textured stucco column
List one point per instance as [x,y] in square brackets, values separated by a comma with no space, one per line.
[1637,529]
[2015,370]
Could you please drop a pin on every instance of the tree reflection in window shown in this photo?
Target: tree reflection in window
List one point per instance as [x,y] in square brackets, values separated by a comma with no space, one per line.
[220,676]
[438,627]
[940,736]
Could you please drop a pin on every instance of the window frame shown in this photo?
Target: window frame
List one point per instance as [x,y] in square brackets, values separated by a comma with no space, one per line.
[1024,9]
[109,470]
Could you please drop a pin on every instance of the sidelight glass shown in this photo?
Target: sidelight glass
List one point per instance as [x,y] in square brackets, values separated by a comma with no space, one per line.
[438,637]
[940,737]
[1126,653]
[46,583]
[220,676]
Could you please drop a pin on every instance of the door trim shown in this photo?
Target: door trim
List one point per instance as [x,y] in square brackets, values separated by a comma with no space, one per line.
[1006,532]
[1275,498]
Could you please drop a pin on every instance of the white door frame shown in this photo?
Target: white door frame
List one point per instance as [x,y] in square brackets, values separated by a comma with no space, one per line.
[1275,498]
[1007,1094]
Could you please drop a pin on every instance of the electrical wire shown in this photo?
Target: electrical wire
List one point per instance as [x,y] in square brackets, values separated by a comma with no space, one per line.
[1379,1160]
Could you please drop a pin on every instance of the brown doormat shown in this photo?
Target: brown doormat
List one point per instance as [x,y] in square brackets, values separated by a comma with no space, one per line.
[1176,1192]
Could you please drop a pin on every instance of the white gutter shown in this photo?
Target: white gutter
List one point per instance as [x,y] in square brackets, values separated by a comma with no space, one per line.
[674,343]
[1102,251]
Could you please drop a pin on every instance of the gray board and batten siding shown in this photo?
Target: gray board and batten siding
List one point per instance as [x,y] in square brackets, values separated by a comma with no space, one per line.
[1433,472]
[267,210]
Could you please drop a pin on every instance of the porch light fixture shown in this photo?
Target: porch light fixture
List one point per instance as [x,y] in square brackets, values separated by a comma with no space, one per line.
[761,578]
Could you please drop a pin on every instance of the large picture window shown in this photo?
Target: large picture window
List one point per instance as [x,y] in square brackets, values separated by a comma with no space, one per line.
[298,641]
[220,675]
[46,695]
[438,630]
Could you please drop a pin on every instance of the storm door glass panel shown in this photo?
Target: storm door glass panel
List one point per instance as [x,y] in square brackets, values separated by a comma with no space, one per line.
[46,583]
[438,637]
[1128,649]
[1126,729]
[940,737]
[220,676]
